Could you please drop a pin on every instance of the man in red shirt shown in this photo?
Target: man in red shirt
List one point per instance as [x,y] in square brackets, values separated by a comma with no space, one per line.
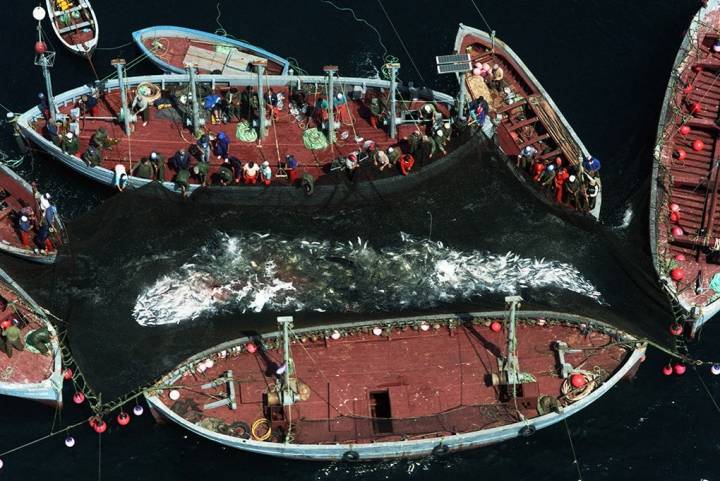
[406,163]
[560,178]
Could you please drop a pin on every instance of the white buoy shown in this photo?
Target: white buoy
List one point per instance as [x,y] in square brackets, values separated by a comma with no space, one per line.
[541,322]
[138,410]
[209,363]
[424,326]
[38,13]
[715,369]
[335,335]
[69,441]
[377,331]
[174,394]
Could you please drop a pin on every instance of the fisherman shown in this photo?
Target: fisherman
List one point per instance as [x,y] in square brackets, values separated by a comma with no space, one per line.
[11,337]
[182,180]
[526,156]
[141,106]
[291,165]
[101,140]
[377,112]
[548,175]
[272,102]
[341,108]
[427,149]
[592,190]
[428,112]
[478,110]
[234,107]
[439,139]
[120,179]
[70,144]
[211,104]
[250,172]
[158,163]
[249,103]
[25,226]
[380,159]
[322,116]
[266,173]
[496,78]
[203,145]
[44,204]
[181,160]
[591,164]
[413,142]
[40,340]
[50,216]
[54,132]
[561,177]
[222,146]
[88,105]
[572,186]
[236,166]
[44,106]
[406,163]
[144,169]
[537,170]
[225,173]
[394,154]
[43,239]
[200,170]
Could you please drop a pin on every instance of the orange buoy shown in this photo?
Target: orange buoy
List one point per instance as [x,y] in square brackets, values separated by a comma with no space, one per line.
[578,380]
[68,374]
[679,369]
[680,154]
[5,324]
[667,370]
[695,108]
[698,145]
[677,274]
[684,130]
[40,47]
[495,326]
[123,419]
[100,426]
[676,329]
[674,217]
[251,348]
[78,397]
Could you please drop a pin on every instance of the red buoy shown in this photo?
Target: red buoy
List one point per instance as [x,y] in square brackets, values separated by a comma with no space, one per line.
[495,326]
[78,397]
[68,374]
[123,419]
[676,329]
[5,324]
[674,207]
[698,145]
[679,369]
[680,154]
[251,348]
[667,370]
[40,47]
[695,108]
[677,274]
[674,217]
[677,231]
[684,130]
[99,426]
[578,380]
[680,258]
[688,89]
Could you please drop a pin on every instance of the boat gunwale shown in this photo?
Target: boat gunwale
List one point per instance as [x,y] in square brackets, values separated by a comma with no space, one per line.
[409,448]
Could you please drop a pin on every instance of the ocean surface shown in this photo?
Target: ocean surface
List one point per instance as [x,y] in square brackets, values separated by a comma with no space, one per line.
[606,65]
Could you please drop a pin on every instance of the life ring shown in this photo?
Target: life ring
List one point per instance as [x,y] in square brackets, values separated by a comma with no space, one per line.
[240,429]
[350,456]
[528,430]
[256,425]
[441,450]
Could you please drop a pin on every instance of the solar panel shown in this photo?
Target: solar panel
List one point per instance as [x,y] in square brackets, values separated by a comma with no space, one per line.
[456,58]
[454,67]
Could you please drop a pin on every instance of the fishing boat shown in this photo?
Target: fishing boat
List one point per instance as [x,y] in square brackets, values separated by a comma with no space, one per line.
[396,388]
[415,129]
[172,48]
[75,24]
[34,371]
[684,231]
[16,199]
[521,114]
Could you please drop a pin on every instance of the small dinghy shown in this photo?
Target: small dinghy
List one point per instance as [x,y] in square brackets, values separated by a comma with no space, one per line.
[75,24]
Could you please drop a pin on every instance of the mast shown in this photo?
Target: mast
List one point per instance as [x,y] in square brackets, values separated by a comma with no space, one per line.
[119,64]
[193,91]
[509,366]
[393,68]
[45,59]
[330,70]
[262,126]
[288,393]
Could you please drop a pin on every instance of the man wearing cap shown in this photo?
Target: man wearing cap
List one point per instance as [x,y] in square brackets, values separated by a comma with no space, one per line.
[181,160]
[496,77]
[43,239]
[591,164]
[250,172]
[50,216]
[25,226]
[141,106]
[291,165]
[144,169]
[203,145]
[70,144]
[381,159]
[11,337]
[158,163]
[222,146]
[573,188]
[561,177]
[265,173]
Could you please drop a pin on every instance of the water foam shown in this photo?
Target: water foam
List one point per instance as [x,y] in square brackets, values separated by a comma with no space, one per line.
[254,273]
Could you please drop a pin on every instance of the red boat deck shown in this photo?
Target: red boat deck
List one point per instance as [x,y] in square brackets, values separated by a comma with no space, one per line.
[692,182]
[24,367]
[431,375]
[529,119]
[172,50]
[285,136]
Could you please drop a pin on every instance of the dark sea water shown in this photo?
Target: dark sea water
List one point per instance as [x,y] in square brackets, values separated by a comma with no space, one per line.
[605,63]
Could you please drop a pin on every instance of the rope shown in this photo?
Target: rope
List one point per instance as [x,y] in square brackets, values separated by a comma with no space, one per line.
[361,20]
[220,30]
[114,48]
[43,438]
[407,52]
[572,448]
[707,390]
[482,16]
[99,456]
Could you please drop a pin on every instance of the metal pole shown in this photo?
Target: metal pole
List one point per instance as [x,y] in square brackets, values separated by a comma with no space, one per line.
[119,64]
[262,126]
[48,86]
[393,100]
[288,395]
[461,96]
[330,70]
[193,92]
[512,362]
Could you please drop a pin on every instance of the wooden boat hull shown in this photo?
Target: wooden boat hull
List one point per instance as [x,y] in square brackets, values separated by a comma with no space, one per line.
[505,138]
[688,182]
[168,64]
[15,248]
[419,445]
[345,192]
[48,390]
[82,45]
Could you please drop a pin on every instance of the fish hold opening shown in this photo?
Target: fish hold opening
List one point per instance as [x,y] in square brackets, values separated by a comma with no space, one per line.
[380,412]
